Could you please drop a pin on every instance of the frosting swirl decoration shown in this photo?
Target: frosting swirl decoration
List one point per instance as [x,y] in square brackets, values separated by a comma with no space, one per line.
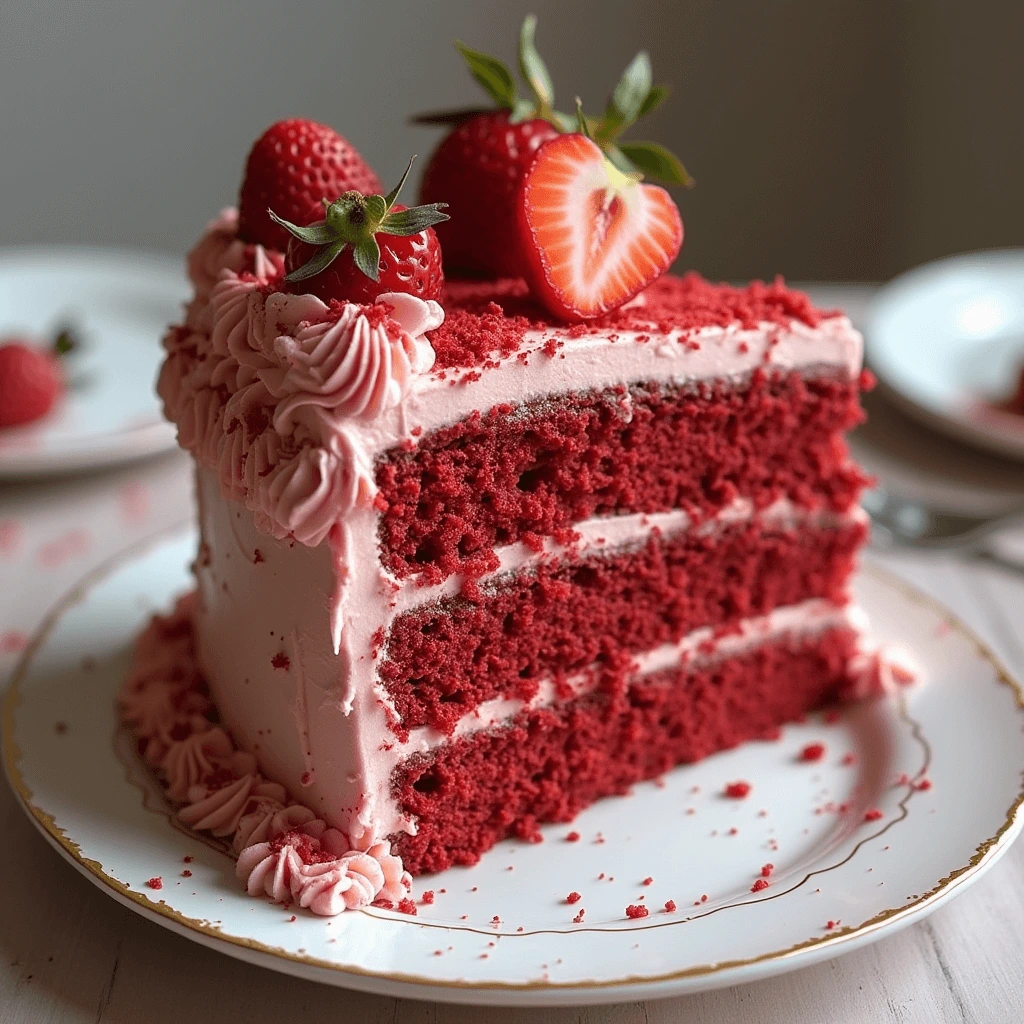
[265,386]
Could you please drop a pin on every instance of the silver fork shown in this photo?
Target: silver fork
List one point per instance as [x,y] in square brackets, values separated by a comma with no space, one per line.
[897,521]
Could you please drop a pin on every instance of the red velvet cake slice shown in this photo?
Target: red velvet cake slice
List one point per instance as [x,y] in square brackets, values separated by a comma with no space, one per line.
[465,570]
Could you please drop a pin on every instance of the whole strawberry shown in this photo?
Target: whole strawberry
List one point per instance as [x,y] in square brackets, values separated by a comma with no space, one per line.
[291,168]
[479,166]
[31,381]
[366,246]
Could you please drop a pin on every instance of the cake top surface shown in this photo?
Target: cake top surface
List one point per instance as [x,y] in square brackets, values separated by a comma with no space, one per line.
[487,321]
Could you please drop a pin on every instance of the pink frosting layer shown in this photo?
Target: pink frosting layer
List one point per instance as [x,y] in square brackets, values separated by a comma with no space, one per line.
[266,387]
[284,850]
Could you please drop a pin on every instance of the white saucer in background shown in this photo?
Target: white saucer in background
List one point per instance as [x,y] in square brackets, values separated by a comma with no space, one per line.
[119,304]
[948,340]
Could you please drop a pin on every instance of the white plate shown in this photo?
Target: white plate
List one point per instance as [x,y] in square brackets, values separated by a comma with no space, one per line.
[948,340]
[120,304]
[962,731]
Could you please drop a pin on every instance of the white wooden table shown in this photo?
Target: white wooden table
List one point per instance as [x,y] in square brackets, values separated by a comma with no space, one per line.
[69,953]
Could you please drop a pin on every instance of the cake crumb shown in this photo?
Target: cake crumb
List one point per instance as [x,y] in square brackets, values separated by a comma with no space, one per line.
[186,873]
[573,897]
[156,882]
[759,885]
[634,911]
[572,837]
[428,896]
[872,814]
[737,790]
[578,919]
[813,752]
[406,906]
[648,880]
[767,869]
[670,906]
[281,661]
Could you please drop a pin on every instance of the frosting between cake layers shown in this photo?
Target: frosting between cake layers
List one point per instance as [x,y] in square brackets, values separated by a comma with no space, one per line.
[291,401]
[299,699]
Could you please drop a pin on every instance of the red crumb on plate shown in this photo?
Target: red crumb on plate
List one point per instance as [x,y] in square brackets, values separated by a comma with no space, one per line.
[156,882]
[759,885]
[670,906]
[573,897]
[813,752]
[633,911]
[737,790]
[873,814]
[406,906]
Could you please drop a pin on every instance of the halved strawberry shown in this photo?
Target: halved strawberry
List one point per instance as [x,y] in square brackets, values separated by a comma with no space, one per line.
[592,236]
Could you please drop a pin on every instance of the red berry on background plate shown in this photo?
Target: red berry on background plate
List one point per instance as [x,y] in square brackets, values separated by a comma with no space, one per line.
[366,246]
[31,381]
[478,169]
[593,236]
[292,167]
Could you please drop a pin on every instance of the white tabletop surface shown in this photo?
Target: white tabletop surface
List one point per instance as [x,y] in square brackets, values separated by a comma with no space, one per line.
[69,953]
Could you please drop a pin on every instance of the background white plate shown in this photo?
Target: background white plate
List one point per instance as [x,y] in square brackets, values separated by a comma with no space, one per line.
[963,731]
[119,303]
[948,340]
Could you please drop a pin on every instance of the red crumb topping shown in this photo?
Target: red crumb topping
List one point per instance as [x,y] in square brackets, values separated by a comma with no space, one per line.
[924,784]
[670,906]
[829,925]
[406,906]
[766,870]
[573,897]
[186,873]
[485,321]
[759,885]
[428,896]
[281,660]
[648,880]
[633,911]
[737,790]
[572,837]
[813,752]
[848,759]
[578,919]
[156,882]
[873,814]
[257,557]
[187,859]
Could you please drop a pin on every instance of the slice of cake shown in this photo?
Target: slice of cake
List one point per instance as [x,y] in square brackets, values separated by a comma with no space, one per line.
[474,556]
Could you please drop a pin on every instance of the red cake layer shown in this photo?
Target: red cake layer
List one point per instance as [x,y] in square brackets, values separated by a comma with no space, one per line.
[552,763]
[517,473]
[441,661]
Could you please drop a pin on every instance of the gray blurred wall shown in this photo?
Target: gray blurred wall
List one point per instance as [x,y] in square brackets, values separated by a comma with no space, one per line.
[831,139]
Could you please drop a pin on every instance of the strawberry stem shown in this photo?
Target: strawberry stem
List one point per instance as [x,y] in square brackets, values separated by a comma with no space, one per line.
[354,219]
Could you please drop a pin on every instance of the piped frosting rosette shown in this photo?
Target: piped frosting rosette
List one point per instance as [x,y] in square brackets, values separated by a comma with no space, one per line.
[266,387]
[284,850]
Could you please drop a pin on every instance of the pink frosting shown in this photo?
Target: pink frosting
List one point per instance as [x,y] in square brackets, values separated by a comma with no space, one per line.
[880,672]
[263,385]
[299,869]
[283,849]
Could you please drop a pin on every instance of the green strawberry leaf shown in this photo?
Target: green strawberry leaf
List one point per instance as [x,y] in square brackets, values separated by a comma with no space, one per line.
[532,66]
[655,161]
[413,221]
[367,258]
[492,74]
[389,199]
[522,111]
[620,160]
[581,120]
[654,99]
[315,234]
[321,261]
[376,208]
[633,88]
